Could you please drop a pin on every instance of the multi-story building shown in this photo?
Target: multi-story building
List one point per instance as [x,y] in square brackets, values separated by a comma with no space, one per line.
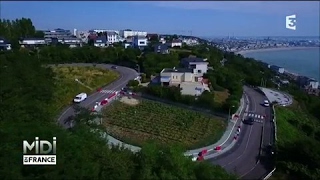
[104,31]
[57,33]
[139,42]
[112,37]
[126,33]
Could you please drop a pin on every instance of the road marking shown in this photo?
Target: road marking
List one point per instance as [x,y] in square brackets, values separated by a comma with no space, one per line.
[248,140]
[259,116]
[256,115]
[232,128]
[249,170]
[105,91]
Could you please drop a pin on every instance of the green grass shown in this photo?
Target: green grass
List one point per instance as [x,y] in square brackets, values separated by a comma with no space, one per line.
[164,124]
[66,86]
[293,125]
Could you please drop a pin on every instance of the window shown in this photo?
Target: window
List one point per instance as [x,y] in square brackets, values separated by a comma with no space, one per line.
[199,71]
[142,42]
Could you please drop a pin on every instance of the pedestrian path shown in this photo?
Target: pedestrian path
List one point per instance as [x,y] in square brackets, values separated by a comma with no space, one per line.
[106,91]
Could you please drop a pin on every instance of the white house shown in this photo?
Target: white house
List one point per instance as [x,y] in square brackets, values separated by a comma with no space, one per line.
[139,41]
[127,33]
[175,76]
[198,65]
[175,43]
[112,37]
[184,78]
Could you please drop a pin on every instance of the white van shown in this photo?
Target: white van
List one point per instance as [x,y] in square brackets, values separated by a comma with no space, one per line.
[80,97]
[266,103]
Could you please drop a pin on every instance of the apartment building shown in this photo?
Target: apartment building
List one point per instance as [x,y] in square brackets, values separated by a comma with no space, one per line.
[57,33]
[127,33]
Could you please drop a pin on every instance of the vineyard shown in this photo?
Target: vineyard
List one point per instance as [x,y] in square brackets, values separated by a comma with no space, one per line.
[162,123]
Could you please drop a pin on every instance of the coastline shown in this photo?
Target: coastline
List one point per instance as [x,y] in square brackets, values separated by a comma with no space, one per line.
[243,52]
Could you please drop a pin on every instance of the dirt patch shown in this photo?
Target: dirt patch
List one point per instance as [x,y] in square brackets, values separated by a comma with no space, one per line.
[129,100]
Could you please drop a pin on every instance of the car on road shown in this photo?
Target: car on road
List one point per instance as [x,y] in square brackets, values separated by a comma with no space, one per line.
[80,97]
[114,67]
[266,103]
[248,121]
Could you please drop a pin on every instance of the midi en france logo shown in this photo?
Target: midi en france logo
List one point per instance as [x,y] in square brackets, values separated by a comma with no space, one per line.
[40,152]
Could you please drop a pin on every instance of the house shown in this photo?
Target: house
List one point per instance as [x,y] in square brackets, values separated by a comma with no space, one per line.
[183,78]
[4,44]
[175,76]
[161,48]
[139,42]
[175,43]
[198,65]
[100,41]
[277,69]
[32,42]
[112,37]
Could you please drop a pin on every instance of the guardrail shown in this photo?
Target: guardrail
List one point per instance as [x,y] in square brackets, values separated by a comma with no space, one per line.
[274,123]
[269,175]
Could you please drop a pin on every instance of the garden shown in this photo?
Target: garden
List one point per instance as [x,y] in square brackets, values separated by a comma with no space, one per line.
[90,79]
[161,123]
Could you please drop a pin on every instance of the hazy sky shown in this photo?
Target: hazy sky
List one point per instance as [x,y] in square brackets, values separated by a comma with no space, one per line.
[202,18]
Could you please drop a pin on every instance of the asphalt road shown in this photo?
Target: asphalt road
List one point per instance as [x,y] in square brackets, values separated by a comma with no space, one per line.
[243,157]
[126,74]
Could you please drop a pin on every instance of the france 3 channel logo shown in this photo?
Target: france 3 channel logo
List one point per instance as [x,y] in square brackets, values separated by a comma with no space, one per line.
[41,152]
[291,22]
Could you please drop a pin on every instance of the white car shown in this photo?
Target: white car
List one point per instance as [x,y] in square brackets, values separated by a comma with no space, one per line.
[80,97]
[266,103]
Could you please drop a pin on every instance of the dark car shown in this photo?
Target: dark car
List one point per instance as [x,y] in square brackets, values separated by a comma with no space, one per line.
[114,67]
[249,121]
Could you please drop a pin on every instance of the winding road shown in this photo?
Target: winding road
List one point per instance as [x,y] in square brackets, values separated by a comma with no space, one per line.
[126,74]
[242,159]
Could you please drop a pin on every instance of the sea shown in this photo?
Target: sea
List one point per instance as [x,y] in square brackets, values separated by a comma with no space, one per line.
[304,62]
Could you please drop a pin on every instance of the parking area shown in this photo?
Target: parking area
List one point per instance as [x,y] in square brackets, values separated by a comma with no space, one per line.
[281,98]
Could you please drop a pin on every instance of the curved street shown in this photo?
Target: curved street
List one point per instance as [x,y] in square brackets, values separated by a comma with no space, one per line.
[242,159]
[126,74]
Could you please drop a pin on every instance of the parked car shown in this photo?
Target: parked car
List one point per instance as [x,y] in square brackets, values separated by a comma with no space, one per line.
[80,97]
[114,67]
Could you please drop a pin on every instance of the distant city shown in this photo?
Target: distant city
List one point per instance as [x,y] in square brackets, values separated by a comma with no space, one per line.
[234,44]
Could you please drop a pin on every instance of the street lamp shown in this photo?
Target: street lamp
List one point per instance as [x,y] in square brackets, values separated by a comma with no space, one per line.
[230,112]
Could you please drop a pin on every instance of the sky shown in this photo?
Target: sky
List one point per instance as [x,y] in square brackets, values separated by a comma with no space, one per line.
[205,19]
